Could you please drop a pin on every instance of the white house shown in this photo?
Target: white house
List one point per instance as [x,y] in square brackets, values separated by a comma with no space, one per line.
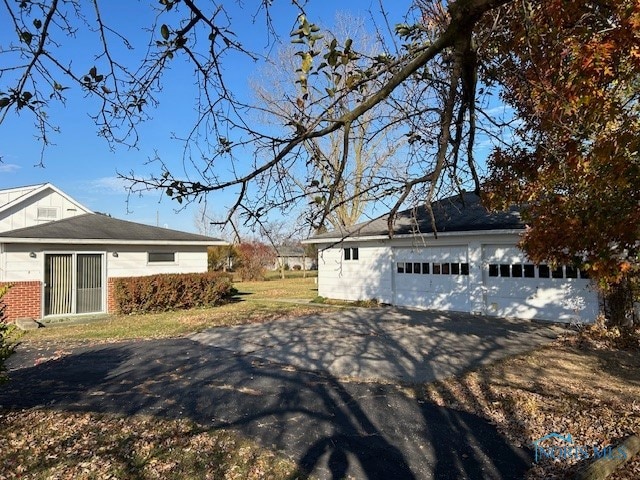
[60,258]
[290,256]
[472,265]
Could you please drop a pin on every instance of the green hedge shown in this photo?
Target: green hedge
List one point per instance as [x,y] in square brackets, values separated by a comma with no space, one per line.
[161,293]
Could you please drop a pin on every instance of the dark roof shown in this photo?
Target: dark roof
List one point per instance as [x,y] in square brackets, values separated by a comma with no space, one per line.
[287,251]
[92,226]
[460,213]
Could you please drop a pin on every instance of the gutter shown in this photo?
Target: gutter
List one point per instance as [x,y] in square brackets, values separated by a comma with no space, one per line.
[347,238]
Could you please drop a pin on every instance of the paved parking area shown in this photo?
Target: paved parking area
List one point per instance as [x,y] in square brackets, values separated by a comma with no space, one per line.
[384,344]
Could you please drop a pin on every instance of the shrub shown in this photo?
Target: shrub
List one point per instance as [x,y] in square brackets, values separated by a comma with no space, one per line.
[221,257]
[6,346]
[161,293]
[253,260]
[297,267]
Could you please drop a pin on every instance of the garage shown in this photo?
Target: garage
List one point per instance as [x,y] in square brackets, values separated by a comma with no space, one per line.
[436,278]
[515,287]
[471,264]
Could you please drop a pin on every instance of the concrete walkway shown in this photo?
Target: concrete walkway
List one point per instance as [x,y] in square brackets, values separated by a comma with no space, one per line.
[383,344]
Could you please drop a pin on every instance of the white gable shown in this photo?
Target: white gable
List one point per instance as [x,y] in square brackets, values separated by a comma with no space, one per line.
[29,206]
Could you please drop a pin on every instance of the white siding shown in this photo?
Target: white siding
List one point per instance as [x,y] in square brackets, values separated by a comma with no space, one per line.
[25,214]
[367,278]
[131,261]
[375,275]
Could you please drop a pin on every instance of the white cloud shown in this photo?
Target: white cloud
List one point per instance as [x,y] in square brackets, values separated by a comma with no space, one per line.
[110,185]
[9,167]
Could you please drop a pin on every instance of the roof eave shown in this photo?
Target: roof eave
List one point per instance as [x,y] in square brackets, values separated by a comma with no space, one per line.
[106,241]
[347,238]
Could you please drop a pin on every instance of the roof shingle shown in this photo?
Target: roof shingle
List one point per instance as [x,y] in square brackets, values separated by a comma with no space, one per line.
[460,213]
[99,227]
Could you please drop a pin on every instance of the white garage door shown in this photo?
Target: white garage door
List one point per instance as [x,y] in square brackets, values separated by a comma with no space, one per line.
[515,287]
[435,277]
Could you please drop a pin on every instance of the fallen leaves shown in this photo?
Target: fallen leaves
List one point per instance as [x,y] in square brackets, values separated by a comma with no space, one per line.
[40,443]
[590,393]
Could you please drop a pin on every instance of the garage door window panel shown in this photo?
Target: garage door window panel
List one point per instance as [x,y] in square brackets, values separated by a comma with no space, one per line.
[529,270]
[516,270]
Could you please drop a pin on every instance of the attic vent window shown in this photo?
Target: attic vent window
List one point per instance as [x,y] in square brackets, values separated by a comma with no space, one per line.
[47,213]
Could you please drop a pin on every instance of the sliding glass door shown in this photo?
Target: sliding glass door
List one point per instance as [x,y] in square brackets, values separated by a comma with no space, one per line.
[73,283]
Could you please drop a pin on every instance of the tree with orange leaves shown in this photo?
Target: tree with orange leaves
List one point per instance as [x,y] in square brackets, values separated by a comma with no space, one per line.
[571,71]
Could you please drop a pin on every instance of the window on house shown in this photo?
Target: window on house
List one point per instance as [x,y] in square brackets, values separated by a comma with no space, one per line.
[416,268]
[446,269]
[543,271]
[436,269]
[351,253]
[493,270]
[529,270]
[161,257]
[464,268]
[47,213]
[455,269]
[557,273]
[408,267]
[516,270]
[584,274]
[571,272]
[400,267]
[425,268]
[505,270]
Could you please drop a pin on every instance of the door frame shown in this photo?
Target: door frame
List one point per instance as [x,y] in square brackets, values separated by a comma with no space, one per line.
[74,266]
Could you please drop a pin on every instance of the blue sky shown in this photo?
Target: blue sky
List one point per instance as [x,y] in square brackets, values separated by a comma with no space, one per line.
[83,164]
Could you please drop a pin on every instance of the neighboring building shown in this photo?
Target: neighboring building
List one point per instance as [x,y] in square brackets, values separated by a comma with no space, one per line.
[290,256]
[61,258]
[474,265]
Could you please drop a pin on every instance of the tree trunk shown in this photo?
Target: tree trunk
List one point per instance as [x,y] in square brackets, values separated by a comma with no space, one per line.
[618,304]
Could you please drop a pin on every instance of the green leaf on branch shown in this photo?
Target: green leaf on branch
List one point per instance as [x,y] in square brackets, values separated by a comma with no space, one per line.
[164,31]
[26,37]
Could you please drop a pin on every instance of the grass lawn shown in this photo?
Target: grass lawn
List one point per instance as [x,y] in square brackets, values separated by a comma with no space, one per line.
[256,302]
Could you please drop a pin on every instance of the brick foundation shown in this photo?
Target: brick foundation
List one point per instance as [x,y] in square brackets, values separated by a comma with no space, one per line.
[23,300]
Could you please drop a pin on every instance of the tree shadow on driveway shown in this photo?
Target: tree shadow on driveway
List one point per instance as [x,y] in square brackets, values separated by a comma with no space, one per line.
[329,427]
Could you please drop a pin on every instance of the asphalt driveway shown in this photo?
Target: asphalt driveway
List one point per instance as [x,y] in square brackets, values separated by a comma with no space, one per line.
[283,384]
[384,344]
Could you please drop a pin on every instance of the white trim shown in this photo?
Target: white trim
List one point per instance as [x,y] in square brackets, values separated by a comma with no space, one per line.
[38,189]
[347,238]
[104,241]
